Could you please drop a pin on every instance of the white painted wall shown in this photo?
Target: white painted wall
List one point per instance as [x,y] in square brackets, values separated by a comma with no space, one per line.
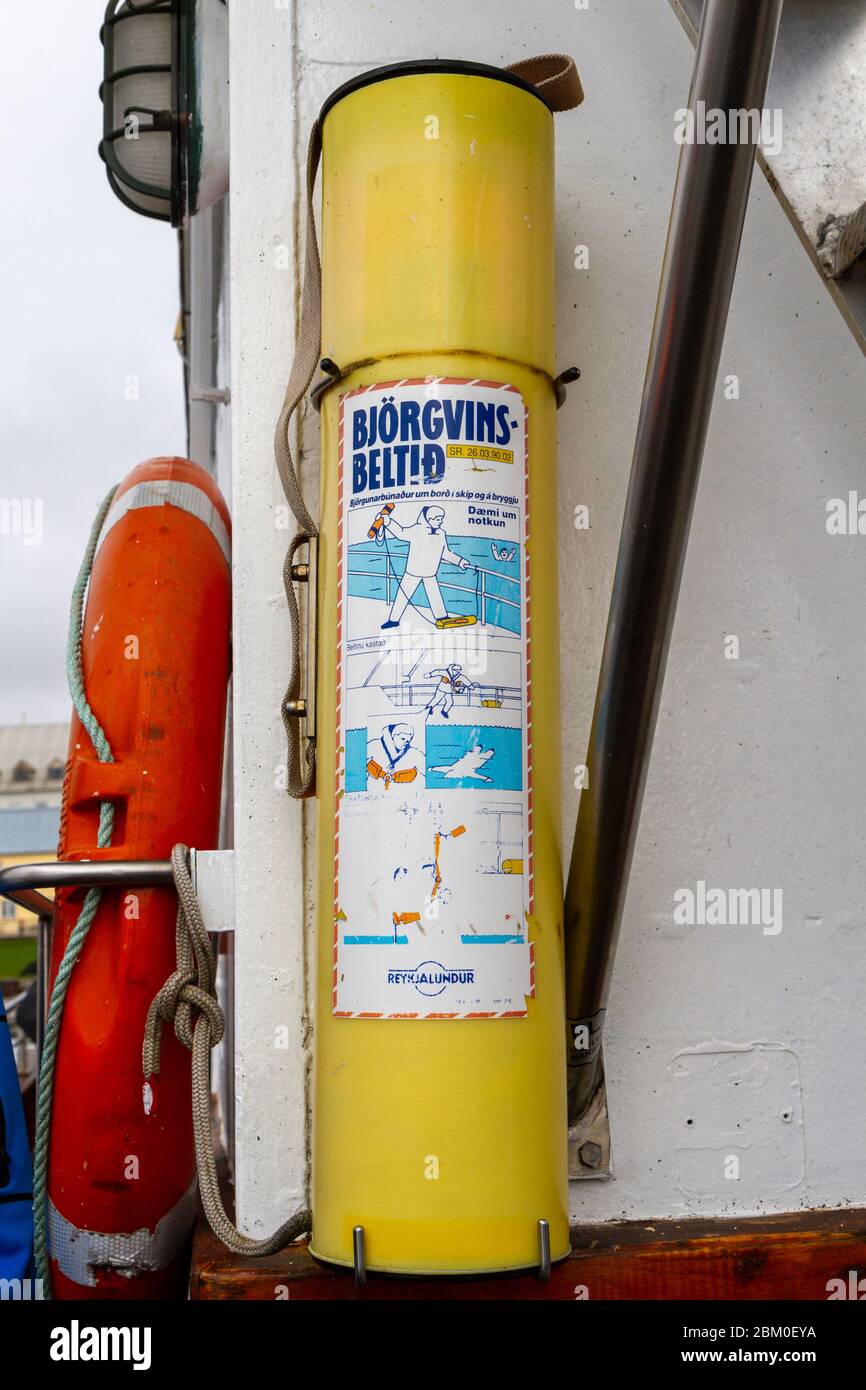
[756,773]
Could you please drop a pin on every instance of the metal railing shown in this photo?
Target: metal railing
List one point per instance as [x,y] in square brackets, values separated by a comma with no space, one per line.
[22,884]
[481,592]
[414,693]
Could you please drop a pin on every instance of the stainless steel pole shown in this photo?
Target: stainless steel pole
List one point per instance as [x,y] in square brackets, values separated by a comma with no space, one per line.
[732,65]
[22,882]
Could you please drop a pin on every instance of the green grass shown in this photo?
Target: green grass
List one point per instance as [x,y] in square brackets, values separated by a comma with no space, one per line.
[15,953]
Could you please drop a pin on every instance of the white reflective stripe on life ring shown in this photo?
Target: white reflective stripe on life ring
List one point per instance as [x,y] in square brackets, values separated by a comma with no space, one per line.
[187,496]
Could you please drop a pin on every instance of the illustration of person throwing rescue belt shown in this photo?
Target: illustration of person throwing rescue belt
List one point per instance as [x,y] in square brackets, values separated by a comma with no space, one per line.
[428,547]
[452,681]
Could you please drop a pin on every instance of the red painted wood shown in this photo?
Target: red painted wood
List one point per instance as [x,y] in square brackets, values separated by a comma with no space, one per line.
[787,1257]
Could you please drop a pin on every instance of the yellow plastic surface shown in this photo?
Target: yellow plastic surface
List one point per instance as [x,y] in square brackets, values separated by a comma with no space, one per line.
[445,1140]
[437,222]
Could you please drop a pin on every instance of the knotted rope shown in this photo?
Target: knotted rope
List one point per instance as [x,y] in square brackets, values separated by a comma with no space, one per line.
[188,1000]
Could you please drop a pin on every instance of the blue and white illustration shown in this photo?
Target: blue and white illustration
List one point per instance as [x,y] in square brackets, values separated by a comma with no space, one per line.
[450,680]
[386,755]
[473,756]
[427,548]
[433,775]
[410,561]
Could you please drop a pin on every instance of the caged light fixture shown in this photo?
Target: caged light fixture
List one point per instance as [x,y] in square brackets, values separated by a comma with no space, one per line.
[165,105]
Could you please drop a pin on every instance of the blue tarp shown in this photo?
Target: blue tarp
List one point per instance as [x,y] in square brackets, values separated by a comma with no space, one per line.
[16,1174]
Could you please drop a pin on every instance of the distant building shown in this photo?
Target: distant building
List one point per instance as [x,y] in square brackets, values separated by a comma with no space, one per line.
[32,763]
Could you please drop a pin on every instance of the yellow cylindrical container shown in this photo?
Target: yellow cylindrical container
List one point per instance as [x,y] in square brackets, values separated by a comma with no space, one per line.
[439,1108]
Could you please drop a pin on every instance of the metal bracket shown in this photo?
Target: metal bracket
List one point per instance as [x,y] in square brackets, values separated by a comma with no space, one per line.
[589,1140]
[360,1256]
[841,241]
[562,382]
[544,1252]
[211,395]
[213,878]
[308,573]
[331,373]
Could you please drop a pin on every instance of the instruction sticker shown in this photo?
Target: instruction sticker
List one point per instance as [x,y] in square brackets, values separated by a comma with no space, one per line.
[433,800]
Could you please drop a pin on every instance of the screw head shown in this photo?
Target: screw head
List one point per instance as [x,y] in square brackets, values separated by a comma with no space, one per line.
[590,1154]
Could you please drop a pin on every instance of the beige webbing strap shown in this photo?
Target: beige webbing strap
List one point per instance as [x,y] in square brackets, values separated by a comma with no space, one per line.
[301,771]
[555,76]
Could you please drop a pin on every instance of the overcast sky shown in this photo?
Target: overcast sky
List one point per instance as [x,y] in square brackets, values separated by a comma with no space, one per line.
[89,299]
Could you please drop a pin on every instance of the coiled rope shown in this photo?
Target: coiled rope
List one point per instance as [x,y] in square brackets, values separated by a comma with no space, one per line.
[192,990]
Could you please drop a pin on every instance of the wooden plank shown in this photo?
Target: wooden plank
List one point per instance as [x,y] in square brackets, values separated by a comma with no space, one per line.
[791,1257]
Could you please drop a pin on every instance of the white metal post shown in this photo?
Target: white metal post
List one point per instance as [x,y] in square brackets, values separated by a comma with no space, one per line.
[270,1054]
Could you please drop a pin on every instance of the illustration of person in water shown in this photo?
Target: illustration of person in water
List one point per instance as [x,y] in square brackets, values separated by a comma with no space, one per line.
[392,758]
